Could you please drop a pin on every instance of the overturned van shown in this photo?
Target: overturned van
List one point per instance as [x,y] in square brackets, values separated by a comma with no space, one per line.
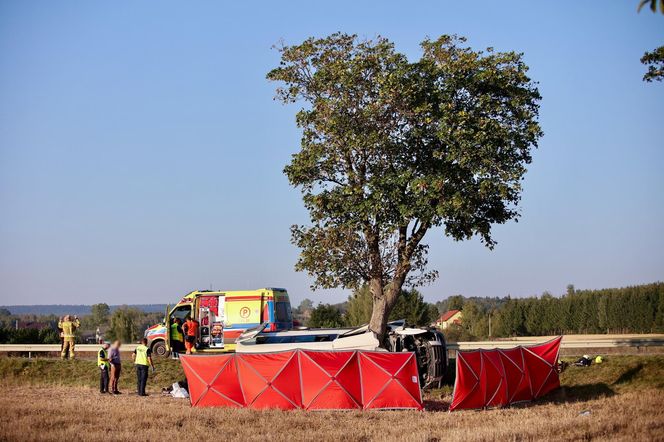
[428,344]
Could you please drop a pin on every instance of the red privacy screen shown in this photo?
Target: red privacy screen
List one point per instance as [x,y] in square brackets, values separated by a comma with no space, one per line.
[495,378]
[312,380]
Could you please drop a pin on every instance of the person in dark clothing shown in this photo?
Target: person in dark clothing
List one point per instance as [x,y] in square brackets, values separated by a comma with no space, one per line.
[104,368]
[585,361]
[142,357]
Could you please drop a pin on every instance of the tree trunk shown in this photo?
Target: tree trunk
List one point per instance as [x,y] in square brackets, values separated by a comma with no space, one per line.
[382,306]
[379,314]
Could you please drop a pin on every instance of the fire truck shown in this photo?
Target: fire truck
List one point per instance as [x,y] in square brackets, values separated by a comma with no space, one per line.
[223,316]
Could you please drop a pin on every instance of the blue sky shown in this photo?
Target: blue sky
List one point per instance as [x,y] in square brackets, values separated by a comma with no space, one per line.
[141,151]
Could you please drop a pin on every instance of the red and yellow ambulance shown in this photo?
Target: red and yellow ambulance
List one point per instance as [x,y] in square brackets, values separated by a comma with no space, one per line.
[223,316]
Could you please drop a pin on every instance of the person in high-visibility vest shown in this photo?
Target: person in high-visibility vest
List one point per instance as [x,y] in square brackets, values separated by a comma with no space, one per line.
[191,333]
[104,367]
[142,357]
[177,337]
[69,327]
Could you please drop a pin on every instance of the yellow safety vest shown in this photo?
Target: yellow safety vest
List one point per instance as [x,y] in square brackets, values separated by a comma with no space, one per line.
[175,334]
[141,355]
[101,354]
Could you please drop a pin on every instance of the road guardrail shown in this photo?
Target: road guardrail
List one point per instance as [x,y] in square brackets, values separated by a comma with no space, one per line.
[569,342]
[55,348]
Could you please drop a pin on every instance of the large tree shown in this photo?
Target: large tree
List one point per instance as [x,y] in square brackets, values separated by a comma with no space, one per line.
[654,59]
[655,62]
[392,149]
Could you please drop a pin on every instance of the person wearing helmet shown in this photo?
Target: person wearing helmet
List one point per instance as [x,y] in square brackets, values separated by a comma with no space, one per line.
[69,327]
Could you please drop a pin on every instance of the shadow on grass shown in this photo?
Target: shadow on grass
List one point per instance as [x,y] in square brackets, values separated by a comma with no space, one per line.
[436,405]
[629,375]
[563,395]
[574,393]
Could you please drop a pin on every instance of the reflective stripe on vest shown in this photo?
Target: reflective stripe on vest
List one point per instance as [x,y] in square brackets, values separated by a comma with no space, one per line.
[141,355]
[101,354]
[68,329]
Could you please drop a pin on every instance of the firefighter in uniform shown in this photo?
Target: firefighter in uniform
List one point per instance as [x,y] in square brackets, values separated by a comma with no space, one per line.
[69,335]
[142,357]
[104,367]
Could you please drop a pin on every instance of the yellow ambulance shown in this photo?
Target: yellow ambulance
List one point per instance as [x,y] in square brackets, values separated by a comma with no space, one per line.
[222,317]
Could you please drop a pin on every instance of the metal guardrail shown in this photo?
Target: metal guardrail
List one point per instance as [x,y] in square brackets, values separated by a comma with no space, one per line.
[569,342]
[572,342]
[48,348]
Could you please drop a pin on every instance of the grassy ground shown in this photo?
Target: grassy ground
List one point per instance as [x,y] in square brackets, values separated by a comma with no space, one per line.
[81,373]
[54,400]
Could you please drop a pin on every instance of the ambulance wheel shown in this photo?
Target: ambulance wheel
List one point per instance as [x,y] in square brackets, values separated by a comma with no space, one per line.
[159,349]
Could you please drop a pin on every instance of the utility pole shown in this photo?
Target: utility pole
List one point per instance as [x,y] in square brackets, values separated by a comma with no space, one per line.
[490,324]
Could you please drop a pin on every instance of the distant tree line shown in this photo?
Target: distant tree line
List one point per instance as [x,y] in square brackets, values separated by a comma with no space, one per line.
[636,309]
[124,323]
[357,310]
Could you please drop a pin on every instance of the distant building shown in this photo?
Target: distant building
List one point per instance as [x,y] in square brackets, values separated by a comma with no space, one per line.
[449,318]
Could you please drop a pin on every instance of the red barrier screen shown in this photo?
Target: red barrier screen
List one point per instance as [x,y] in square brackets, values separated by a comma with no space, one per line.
[496,378]
[312,380]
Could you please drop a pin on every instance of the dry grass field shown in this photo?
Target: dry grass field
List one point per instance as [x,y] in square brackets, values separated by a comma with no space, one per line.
[623,400]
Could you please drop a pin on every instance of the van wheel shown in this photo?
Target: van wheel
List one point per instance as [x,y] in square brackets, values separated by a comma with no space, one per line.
[159,349]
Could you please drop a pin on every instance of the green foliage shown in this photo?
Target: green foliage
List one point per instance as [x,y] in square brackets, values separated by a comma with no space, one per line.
[454,303]
[49,336]
[456,333]
[392,148]
[360,304]
[306,304]
[124,324]
[100,314]
[326,316]
[302,312]
[636,309]
[46,335]
[410,306]
[25,336]
[654,60]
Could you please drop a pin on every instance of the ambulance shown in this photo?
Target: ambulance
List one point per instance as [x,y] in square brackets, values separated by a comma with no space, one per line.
[223,316]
